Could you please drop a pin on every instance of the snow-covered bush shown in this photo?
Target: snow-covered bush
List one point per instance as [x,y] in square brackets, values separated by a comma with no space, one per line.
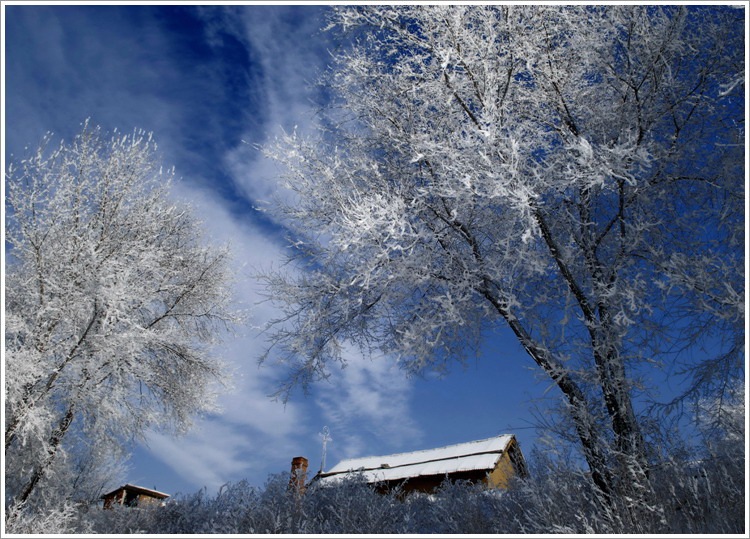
[706,495]
[57,519]
[703,497]
[353,505]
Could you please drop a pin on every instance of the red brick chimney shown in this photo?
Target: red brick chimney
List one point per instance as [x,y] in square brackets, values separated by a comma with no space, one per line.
[298,475]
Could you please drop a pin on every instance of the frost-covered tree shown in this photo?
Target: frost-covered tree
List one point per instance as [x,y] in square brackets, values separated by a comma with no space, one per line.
[571,173]
[113,299]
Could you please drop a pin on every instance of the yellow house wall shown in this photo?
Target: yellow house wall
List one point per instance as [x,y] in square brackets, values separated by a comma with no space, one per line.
[144,500]
[500,477]
[504,470]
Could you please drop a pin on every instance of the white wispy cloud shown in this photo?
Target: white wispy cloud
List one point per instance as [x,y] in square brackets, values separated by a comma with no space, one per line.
[291,61]
[199,459]
[367,405]
[98,74]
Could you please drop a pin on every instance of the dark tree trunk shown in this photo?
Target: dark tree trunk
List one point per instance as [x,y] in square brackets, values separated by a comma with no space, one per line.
[54,444]
[585,426]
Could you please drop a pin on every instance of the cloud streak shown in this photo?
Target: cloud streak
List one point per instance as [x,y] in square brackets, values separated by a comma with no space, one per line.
[203,79]
[290,66]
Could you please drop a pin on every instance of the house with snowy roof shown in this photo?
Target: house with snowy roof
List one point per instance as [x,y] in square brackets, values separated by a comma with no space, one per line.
[493,462]
[133,496]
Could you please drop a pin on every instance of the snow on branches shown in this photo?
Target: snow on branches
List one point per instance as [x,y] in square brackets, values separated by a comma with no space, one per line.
[113,299]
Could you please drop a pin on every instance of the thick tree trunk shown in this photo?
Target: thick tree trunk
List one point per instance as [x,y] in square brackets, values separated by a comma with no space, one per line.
[628,437]
[609,365]
[582,419]
[584,424]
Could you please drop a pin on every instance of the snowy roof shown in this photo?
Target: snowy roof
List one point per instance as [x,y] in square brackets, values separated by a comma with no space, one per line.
[141,490]
[468,456]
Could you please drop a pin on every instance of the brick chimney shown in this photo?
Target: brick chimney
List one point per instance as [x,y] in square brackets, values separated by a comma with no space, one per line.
[298,475]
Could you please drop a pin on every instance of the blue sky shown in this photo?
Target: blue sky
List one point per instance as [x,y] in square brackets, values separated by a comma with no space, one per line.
[210,82]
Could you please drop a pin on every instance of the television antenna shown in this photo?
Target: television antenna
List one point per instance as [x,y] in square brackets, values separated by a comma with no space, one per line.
[326,436]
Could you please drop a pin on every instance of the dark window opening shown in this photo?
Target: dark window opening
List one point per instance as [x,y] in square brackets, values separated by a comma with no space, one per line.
[131,499]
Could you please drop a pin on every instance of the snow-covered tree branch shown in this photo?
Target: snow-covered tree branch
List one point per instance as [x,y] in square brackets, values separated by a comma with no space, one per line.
[113,300]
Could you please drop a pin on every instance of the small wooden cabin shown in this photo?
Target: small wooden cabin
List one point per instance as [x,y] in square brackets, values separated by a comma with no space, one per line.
[493,462]
[133,496]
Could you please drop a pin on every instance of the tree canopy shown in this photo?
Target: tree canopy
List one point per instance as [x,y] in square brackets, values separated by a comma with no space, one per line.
[572,173]
[113,299]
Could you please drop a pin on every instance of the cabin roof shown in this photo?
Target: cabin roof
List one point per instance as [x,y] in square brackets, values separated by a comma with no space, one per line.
[140,490]
[468,456]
